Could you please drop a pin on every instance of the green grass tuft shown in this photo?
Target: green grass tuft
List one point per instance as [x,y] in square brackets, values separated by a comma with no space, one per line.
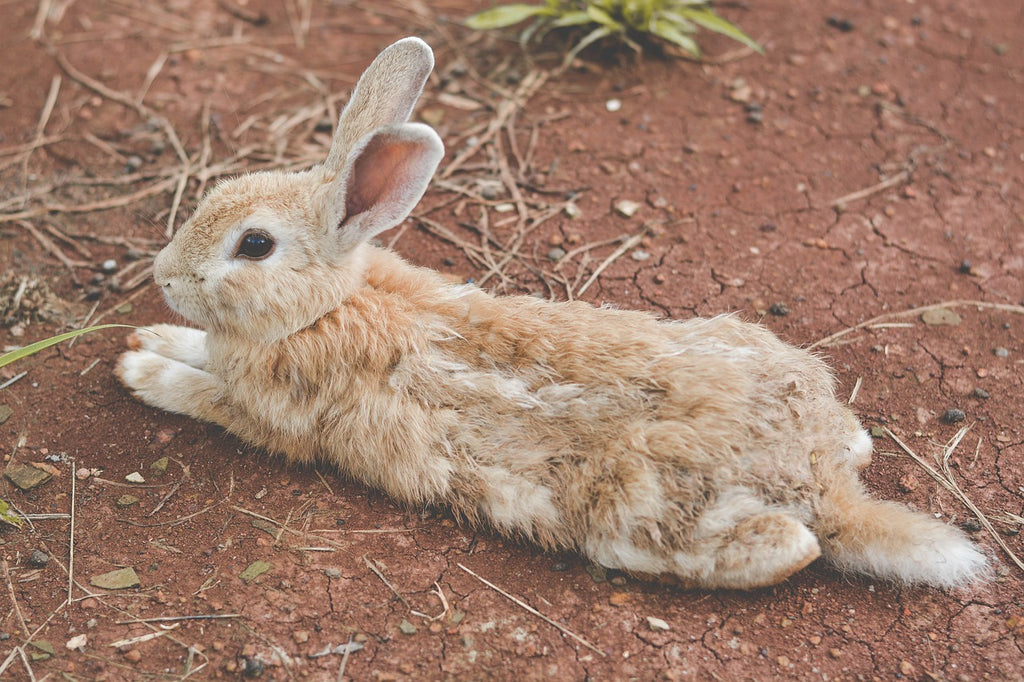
[673,21]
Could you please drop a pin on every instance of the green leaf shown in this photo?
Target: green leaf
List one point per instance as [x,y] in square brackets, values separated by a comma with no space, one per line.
[505,15]
[705,18]
[32,348]
[595,35]
[599,16]
[8,516]
[670,32]
[638,13]
[571,19]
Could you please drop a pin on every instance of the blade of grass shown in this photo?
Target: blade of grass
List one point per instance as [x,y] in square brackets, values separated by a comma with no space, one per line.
[32,348]
[705,18]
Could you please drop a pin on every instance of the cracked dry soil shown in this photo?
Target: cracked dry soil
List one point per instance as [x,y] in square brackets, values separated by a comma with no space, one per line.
[917,104]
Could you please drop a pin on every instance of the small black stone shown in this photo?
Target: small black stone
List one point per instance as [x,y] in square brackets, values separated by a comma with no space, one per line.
[560,567]
[953,416]
[965,267]
[779,309]
[38,559]
[981,393]
[252,667]
[339,522]
[840,24]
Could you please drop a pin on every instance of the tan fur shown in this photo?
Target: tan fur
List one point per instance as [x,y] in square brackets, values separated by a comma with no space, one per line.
[707,450]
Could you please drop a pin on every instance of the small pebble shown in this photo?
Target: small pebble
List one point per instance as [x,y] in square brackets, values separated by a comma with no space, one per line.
[613,105]
[559,567]
[657,624]
[38,559]
[133,655]
[332,573]
[1001,352]
[981,393]
[971,525]
[840,24]
[640,255]
[953,416]
[965,267]
[135,477]
[627,208]
[779,309]
[619,598]
[556,253]
[109,265]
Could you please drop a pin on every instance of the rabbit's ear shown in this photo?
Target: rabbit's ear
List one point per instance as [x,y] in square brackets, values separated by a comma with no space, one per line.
[383,179]
[385,95]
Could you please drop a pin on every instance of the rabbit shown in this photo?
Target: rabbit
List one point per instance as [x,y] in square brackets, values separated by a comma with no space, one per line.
[705,452]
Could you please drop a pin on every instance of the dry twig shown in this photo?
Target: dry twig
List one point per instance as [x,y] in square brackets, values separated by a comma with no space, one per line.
[521,603]
[832,338]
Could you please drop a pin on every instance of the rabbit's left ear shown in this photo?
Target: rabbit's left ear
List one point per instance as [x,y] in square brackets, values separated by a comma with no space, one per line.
[383,179]
[385,95]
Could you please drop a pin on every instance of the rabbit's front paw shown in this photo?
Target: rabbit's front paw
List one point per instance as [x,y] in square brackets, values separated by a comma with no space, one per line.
[183,344]
[171,385]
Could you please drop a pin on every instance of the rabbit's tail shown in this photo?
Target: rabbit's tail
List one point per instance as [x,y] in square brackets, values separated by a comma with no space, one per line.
[888,540]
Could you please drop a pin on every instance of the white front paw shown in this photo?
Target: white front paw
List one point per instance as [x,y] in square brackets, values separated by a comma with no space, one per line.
[166,383]
[183,344]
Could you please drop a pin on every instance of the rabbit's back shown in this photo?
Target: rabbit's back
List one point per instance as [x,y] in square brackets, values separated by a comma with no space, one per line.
[551,421]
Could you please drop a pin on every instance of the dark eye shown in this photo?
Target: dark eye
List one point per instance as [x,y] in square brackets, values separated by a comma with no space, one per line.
[254,246]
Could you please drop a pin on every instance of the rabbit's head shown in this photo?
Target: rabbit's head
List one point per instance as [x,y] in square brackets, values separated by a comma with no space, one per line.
[267,254]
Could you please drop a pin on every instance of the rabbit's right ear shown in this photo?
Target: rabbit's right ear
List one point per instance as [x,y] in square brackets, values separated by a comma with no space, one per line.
[385,95]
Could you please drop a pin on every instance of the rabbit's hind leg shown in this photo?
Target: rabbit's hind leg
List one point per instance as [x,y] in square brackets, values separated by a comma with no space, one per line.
[747,544]
[761,550]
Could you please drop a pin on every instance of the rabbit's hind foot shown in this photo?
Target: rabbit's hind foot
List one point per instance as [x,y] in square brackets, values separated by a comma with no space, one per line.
[762,550]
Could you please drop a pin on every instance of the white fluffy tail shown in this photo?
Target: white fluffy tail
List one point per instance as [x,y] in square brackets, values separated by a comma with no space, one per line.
[890,541]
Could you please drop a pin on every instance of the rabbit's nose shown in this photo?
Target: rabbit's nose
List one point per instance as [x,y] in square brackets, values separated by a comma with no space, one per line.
[160,270]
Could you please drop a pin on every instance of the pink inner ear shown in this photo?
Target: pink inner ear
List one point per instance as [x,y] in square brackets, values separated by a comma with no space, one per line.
[379,173]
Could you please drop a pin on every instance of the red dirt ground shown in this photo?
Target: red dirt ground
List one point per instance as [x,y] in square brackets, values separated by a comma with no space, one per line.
[740,217]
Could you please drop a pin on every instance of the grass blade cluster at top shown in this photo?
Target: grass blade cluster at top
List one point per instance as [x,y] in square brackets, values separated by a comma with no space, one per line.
[33,348]
[673,21]
[503,16]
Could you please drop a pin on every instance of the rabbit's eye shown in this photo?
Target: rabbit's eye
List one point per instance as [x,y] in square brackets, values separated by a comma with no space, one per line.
[254,246]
